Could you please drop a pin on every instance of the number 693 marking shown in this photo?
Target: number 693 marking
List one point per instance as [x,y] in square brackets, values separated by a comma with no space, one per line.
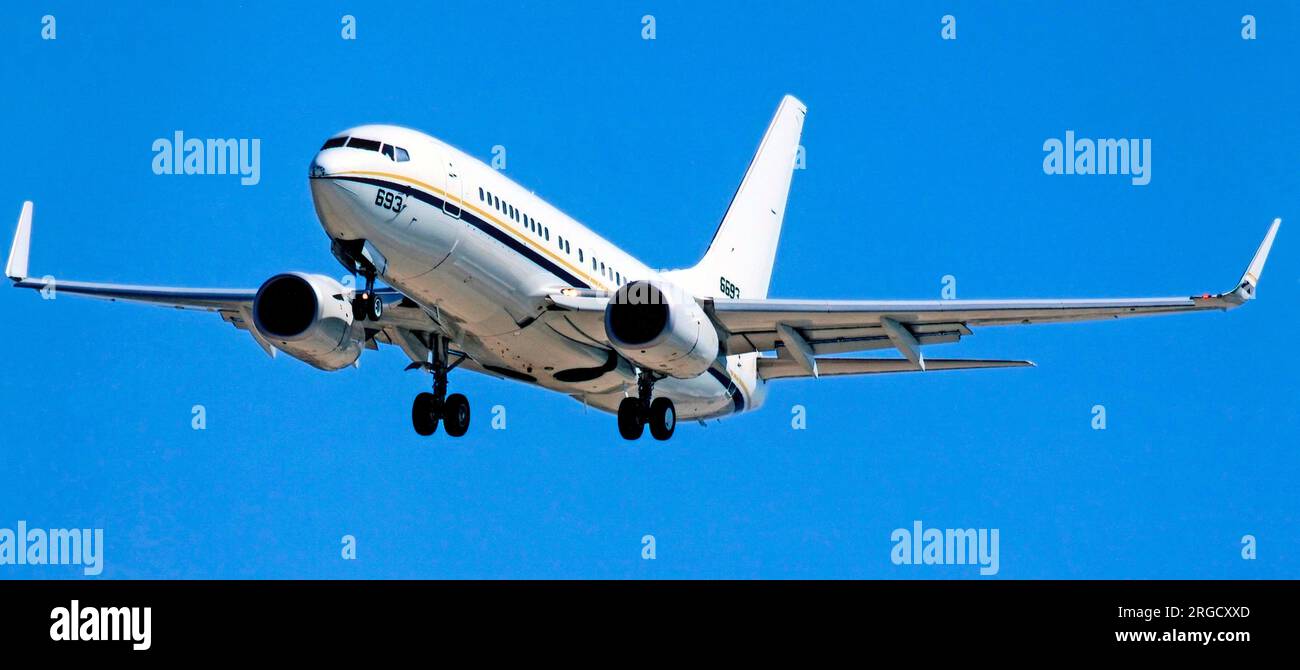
[389,200]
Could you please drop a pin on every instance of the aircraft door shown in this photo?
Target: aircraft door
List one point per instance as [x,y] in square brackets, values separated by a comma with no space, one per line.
[455,191]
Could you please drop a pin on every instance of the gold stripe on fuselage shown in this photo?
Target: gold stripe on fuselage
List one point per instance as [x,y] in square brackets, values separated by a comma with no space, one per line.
[464,204]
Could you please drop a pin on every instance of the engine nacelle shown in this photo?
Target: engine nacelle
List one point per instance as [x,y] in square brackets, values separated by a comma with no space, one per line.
[660,327]
[308,317]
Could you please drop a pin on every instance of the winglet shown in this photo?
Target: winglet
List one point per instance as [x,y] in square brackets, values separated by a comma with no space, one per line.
[16,268]
[1246,287]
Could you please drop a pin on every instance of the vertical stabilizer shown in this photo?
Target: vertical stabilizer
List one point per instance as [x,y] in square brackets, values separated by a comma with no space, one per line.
[738,263]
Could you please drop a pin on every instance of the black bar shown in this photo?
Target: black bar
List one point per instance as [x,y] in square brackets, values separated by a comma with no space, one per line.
[331,617]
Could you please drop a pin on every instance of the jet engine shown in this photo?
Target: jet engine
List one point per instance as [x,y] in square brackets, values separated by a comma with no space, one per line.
[308,317]
[659,327]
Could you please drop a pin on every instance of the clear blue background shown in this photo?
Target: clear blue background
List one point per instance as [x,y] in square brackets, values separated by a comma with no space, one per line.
[924,158]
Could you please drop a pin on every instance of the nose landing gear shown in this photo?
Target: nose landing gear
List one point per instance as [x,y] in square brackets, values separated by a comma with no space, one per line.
[430,408]
[366,305]
[635,413]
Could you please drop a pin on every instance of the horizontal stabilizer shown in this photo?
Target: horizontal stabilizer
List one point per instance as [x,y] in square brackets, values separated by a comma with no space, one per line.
[783,368]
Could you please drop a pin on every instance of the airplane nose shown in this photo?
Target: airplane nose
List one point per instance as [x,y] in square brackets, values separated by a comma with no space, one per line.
[339,206]
[326,163]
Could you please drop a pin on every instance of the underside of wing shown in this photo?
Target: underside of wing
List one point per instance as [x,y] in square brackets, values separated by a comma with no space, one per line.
[839,327]
[829,327]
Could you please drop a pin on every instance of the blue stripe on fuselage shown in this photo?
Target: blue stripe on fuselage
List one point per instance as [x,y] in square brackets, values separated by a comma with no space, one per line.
[737,397]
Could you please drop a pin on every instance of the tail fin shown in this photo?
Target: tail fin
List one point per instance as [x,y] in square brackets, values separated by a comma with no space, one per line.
[739,261]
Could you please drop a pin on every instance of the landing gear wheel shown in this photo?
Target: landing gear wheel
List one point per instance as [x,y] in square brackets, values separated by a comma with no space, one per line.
[455,415]
[630,424]
[663,418]
[375,308]
[424,414]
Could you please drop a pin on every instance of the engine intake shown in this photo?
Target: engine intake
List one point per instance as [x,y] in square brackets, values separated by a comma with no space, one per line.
[659,327]
[308,317]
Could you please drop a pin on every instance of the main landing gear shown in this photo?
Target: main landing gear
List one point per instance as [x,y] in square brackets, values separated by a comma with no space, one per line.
[430,408]
[635,413]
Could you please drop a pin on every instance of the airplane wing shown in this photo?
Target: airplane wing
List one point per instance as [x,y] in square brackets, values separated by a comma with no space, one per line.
[799,330]
[235,305]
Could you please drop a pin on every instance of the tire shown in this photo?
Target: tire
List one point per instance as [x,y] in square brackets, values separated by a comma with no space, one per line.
[455,414]
[375,310]
[630,425]
[424,418]
[663,418]
[360,307]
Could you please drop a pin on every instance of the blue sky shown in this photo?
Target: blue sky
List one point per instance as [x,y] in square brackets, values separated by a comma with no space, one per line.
[924,159]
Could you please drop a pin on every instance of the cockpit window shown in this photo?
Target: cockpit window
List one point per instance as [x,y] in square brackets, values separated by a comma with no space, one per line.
[393,153]
[358,143]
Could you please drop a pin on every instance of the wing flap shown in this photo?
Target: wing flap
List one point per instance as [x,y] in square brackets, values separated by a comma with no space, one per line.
[782,368]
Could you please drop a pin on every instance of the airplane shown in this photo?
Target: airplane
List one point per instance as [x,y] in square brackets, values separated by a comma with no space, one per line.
[483,275]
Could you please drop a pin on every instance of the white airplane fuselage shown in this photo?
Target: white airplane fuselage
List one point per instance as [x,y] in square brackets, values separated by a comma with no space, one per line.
[481,254]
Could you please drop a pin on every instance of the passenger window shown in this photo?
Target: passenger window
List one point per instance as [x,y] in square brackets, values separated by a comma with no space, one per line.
[547,234]
[480,195]
[579,254]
